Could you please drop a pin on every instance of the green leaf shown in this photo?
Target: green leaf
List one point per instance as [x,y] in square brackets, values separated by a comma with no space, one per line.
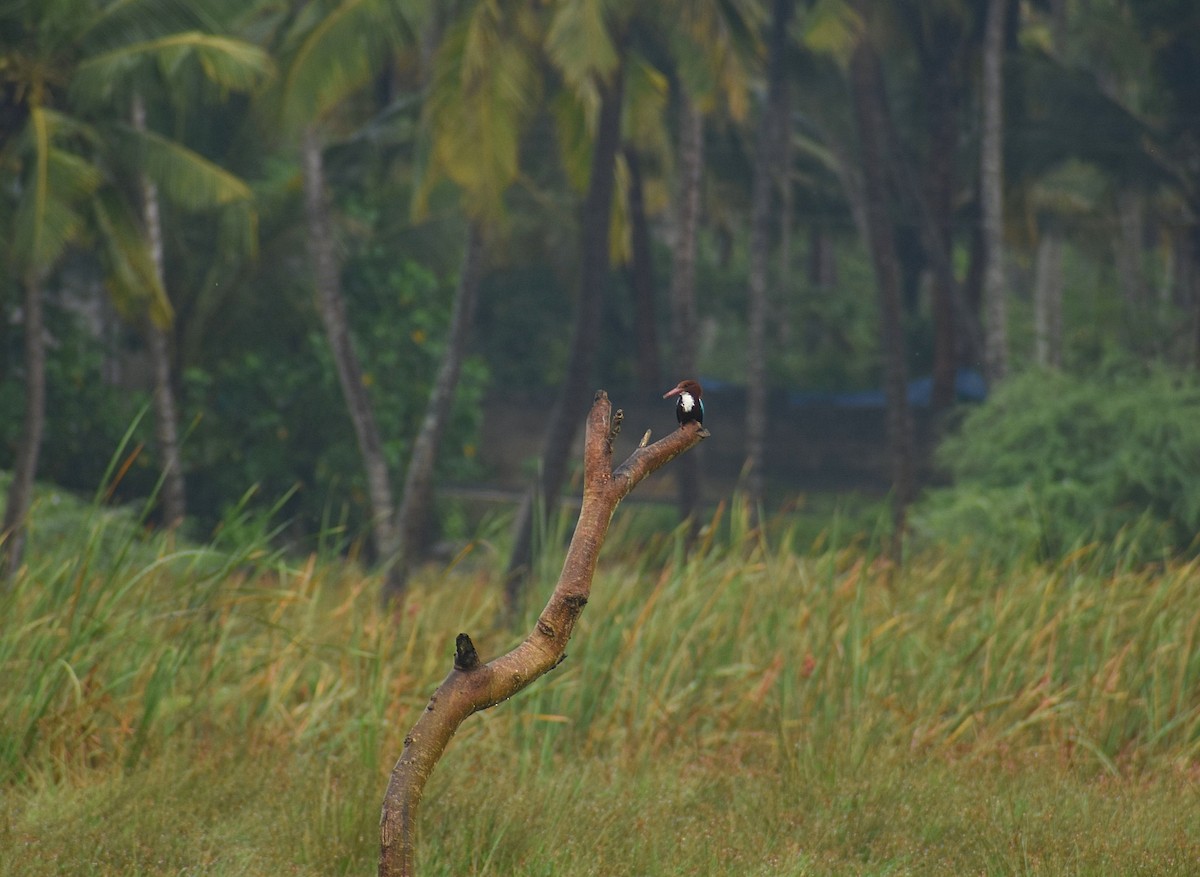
[48,214]
[231,64]
[579,43]
[832,28]
[485,85]
[183,176]
[132,278]
[337,55]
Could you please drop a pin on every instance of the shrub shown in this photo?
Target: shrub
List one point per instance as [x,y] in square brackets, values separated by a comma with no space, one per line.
[1052,461]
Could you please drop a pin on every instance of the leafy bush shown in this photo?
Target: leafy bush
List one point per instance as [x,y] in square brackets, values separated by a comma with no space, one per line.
[1053,461]
[275,418]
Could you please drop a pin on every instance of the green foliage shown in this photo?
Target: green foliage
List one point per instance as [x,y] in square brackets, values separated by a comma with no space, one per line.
[273,416]
[86,418]
[1053,461]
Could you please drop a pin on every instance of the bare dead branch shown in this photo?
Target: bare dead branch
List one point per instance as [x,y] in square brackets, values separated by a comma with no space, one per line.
[473,686]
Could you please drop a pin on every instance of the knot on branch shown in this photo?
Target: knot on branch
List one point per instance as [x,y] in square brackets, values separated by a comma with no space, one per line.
[466,658]
[614,430]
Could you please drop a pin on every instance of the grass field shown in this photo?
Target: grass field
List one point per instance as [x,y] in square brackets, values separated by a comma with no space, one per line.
[760,705]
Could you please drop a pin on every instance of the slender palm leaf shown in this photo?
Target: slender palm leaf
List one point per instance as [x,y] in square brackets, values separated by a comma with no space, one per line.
[338,55]
[486,83]
[47,217]
[230,64]
[133,281]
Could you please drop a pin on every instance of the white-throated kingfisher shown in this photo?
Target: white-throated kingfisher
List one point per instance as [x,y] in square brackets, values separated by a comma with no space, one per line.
[689,407]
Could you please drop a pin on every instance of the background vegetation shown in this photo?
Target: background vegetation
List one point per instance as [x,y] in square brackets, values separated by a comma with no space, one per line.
[452,116]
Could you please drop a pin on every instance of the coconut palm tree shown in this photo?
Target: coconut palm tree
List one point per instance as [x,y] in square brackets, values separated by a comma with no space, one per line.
[991,193]
[329,50]
[70,162]
[588,50]
[871,119]
[773,127]
[122,75]
[485,84]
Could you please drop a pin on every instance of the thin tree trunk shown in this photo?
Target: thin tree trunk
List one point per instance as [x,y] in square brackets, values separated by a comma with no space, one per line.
[943,137]
[593,277]
[772,126]
[332,307]
[412,520]
[869,110]
[991,176]
[683,282]
[783,284]
[166,427]
[1139,321]
[822,266]
[20,490]
[641,280]
[1189,266]
[1047,299]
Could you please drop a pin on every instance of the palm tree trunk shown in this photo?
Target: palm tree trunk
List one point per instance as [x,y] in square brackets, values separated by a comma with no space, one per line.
[594,263]
[939,176]
[332,307]
[641,280]
[166,431]
[822,264]
[1140,327]
[683,282]
[867,87]
[991,191]
[412,519]
[1047,299]
[772,127]
[20,491]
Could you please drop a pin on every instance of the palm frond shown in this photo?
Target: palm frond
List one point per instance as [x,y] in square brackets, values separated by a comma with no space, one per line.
[231,64]
[133,281]
[47,216]
[125,22]
[183,176]
[646,95]
[574,140]
[485,85]
[338,55]
[832,28]
[579,43]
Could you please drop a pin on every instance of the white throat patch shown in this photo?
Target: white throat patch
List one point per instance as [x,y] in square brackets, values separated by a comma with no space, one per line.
[686,402]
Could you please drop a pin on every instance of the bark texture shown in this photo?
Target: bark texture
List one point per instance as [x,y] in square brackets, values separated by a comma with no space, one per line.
[683,281]
[1047,299]
[641,280]
[417,499]
[20,490]
[867,87]
[473,686]
[332,307]
[991,192]
[768,158]
[158,347]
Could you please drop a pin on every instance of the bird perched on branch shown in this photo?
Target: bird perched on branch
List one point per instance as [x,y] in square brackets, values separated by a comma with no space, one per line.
[689,407]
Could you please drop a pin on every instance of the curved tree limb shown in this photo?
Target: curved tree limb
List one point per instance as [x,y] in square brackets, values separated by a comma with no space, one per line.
[473,686]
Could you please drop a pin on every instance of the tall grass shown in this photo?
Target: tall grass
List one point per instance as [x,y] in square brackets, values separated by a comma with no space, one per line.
[769,702]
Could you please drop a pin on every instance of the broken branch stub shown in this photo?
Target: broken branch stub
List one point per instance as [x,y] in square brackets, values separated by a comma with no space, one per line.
[472,685]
